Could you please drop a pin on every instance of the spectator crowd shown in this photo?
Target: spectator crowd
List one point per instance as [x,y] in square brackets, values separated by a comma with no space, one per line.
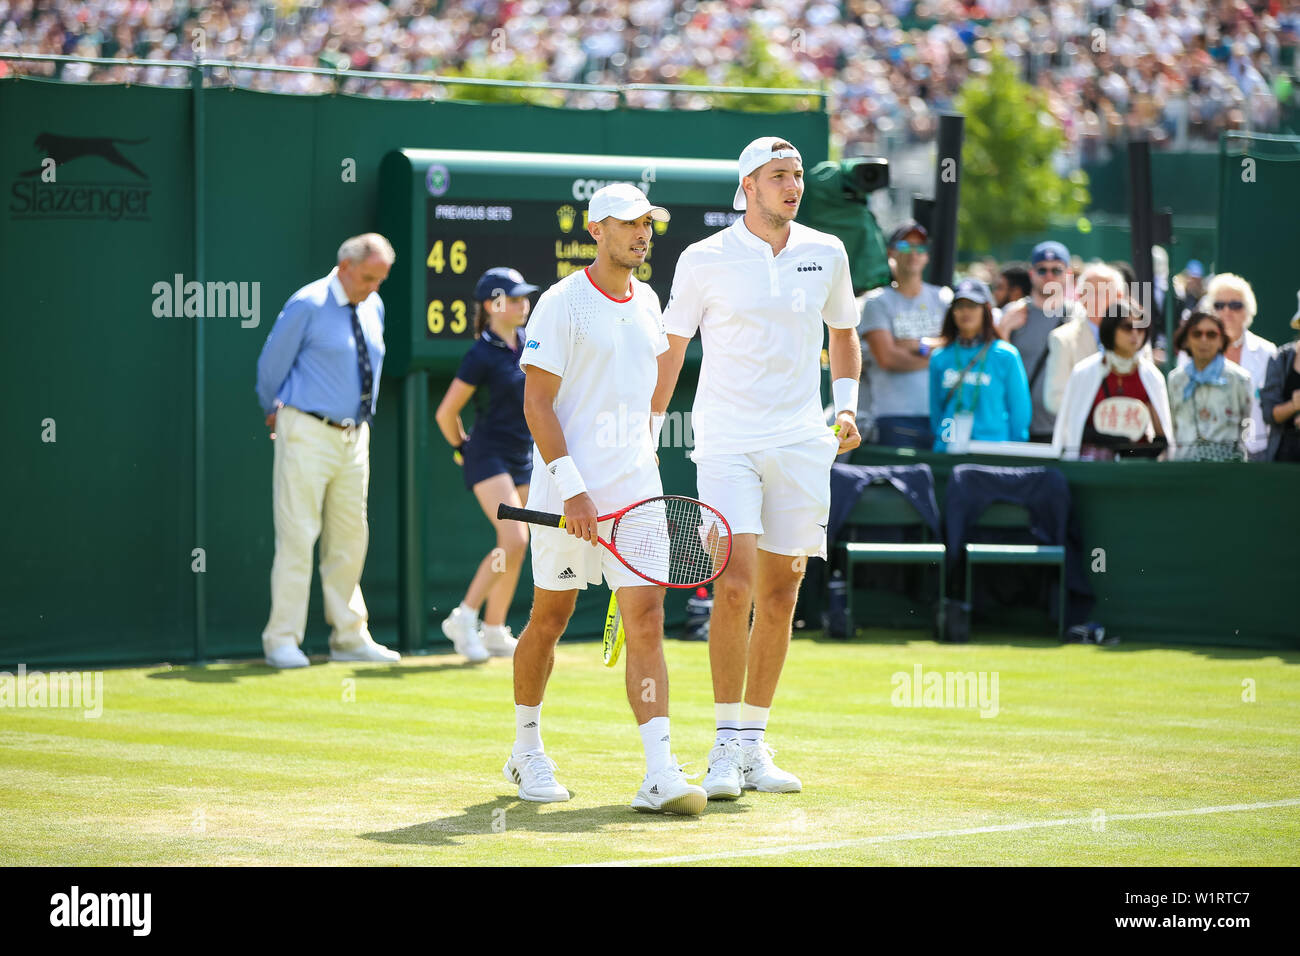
[1065,353]
[1184,69]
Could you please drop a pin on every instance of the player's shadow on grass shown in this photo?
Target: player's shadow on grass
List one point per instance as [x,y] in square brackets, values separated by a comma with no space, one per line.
[215,675]
[507,813]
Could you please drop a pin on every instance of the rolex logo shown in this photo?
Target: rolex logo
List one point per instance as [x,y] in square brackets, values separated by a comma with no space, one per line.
[566,215]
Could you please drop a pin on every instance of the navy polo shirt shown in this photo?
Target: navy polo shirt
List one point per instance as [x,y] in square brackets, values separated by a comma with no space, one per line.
[492,364]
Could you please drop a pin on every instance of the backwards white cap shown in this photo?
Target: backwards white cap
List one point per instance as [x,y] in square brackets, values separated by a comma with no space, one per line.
[757,153]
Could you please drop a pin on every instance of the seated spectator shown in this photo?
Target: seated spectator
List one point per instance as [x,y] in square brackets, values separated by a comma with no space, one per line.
[1209,396]
[1232,299]
[900,327]
[978,387]
[1100,287]
[1280,400]
[1115,402]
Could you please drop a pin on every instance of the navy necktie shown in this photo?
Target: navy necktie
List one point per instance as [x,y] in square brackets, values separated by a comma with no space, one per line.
[363,364]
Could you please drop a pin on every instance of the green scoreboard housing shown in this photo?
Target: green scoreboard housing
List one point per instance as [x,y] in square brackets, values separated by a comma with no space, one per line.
[453,214]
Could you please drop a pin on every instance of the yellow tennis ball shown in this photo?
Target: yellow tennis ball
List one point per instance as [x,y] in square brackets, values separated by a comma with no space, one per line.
[1084,225]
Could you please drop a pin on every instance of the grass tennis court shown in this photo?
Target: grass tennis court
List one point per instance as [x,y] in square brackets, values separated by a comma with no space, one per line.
[239,764]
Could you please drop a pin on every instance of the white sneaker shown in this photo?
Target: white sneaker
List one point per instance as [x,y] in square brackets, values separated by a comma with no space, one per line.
[498,641]
[462,630]
[285,656]
[535,774]
[726,776]
[369,651]
[668,791]
[762,774]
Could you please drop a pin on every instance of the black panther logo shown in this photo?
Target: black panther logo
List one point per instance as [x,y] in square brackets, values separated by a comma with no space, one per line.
[64,149]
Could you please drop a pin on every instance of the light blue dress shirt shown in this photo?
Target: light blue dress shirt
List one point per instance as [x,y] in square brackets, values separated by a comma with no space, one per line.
[309,360]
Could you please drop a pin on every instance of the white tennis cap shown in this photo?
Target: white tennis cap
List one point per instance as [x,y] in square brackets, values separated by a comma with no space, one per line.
[622,201]
[756,154]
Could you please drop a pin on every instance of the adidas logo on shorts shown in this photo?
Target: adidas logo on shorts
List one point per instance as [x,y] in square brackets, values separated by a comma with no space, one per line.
[567,575]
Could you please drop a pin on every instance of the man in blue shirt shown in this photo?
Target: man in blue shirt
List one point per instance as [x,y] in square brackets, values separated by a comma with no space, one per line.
[318,382]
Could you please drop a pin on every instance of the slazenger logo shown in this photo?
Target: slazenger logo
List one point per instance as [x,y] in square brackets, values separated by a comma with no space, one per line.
[103,909]
[44,193]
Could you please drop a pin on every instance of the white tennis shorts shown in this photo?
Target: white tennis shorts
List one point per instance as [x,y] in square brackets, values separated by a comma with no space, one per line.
[783,495]
[562,562]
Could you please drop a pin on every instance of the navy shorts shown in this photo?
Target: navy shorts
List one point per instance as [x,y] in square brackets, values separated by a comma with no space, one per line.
[491,460]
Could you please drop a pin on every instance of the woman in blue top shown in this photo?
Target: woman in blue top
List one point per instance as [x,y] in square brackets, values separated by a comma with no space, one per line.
[496,457]
[978,387]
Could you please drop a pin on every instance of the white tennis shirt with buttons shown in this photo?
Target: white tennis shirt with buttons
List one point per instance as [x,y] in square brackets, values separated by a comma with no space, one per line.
[760,319]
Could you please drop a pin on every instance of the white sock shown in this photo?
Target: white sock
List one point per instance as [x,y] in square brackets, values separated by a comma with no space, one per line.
[658,744]
[494,630]
[728,719]
[528,729]
[753,723]
[466,609]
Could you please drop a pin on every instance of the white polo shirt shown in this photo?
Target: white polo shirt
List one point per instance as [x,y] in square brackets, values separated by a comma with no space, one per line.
[604,351]
[760,318]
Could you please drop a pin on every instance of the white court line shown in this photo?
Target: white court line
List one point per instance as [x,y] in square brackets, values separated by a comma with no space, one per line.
[934,834]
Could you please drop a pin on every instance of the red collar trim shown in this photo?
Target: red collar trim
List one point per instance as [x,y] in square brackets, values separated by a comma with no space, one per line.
[587,273]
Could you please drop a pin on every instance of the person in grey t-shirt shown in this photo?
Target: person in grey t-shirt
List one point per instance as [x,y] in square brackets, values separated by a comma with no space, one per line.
[900,327]
[1028,324]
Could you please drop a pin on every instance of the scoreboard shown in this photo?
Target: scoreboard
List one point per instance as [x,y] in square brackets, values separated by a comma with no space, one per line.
[453,214]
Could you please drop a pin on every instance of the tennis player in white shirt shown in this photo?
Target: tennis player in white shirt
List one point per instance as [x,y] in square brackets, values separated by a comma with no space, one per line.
[591,354]
[759,293]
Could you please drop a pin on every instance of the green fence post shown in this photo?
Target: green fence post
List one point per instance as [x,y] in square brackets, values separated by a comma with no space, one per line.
[200,383]
[412,445]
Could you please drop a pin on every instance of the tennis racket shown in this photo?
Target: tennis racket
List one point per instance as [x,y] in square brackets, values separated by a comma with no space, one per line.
[671,541]
[613,631]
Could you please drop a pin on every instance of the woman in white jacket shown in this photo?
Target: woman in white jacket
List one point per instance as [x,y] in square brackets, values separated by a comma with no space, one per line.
[1115,402]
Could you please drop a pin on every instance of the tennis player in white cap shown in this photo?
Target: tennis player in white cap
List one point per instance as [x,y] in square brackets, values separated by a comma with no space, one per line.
[591,353]
[759,292]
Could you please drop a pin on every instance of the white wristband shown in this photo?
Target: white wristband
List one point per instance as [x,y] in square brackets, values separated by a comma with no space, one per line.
[845,393]
[656,426]
[566,477]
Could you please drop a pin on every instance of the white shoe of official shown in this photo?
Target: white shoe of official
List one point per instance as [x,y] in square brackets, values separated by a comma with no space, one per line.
[726,776]
[498,641]
[761,774]
[535,774]
[462,630]
[285,656]
[668,791]
[369,651]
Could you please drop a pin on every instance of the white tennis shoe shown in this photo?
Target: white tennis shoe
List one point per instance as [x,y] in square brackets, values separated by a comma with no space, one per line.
[668,791]
[763,775]
[726,776]
[534,772]
[499,641]
[462,630]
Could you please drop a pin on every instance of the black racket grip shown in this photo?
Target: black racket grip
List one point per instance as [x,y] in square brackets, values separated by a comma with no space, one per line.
[505,512]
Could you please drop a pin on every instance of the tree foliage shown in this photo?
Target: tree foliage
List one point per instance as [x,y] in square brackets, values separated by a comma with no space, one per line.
[518,68]
[1009,186]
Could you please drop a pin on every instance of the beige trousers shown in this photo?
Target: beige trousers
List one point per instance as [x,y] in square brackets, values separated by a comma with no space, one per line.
[319,487]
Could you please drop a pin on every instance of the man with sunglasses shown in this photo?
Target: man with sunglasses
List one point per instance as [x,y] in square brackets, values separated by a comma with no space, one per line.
[900,327]
[1028,325]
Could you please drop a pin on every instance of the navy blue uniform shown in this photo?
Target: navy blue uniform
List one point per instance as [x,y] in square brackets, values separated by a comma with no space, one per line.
[499,443]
